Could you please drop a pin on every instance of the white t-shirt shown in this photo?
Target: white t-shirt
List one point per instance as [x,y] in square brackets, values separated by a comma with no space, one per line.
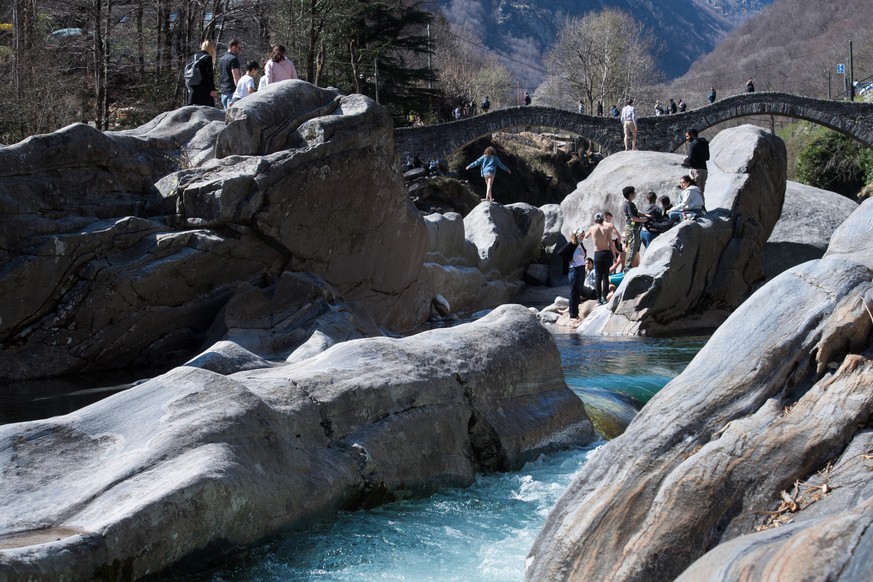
[244,88]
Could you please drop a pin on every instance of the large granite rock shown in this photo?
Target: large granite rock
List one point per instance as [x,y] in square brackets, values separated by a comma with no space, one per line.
[697,273]
[768,426]
[809,217]
[118,251]
[601,191]
[508,238]
[447,243]
[194,463]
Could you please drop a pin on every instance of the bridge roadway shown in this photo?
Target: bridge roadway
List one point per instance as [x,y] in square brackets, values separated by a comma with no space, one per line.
[659,133]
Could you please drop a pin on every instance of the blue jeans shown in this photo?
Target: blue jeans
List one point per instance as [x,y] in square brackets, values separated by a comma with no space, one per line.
[647,237]
[577,280]
[226,98]
[676,215]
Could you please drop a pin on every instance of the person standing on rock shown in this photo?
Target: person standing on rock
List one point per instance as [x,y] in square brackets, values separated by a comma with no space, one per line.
[489,162]
[633,221]
[599,108]
[601,234]
[629,121]
[617,248]
[228,73]
[750,86]
[526,98]
[279,67]
[698,155]
[574,253]
[203,93]
[486,105]
[711,96]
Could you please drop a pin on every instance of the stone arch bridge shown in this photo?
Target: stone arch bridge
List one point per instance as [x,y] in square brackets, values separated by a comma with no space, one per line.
[662,133]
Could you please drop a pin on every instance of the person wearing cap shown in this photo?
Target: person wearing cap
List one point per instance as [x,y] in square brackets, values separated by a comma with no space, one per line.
[601,233]
[574,253]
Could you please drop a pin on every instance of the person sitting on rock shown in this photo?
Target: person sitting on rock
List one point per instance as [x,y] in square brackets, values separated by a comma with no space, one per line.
[690,201]
[655,214]
[666,205]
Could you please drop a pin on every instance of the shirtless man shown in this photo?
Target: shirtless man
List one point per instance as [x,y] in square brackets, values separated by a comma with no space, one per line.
[602,235]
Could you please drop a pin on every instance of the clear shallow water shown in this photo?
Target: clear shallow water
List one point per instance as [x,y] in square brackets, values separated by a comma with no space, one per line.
[482,533]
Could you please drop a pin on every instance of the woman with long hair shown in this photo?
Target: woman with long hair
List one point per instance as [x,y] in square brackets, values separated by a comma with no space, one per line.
[204,92]
[279,67]
[489,163]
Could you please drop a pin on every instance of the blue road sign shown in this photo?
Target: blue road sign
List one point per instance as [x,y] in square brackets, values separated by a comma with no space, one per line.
[841,68]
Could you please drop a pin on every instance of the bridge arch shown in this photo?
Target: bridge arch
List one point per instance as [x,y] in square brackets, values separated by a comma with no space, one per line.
[441,139]
[663,133]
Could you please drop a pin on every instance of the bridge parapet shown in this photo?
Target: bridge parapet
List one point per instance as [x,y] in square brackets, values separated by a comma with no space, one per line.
[662,133]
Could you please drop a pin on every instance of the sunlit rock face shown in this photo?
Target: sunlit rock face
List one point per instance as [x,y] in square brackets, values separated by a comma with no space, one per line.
[695,274]
[754,462]
[119,250]
[223,453]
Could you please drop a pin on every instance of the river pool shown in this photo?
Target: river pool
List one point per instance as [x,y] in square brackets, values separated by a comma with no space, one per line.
[481,533]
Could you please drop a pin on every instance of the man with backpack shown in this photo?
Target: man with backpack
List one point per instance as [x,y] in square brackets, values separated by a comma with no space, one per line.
[229,73]
[698,155]
[486,105]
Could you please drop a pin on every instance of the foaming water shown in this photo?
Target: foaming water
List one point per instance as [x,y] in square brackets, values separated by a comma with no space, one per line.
[484,532]
[479,533]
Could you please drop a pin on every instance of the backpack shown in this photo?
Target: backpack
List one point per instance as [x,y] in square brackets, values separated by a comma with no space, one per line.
[193,76]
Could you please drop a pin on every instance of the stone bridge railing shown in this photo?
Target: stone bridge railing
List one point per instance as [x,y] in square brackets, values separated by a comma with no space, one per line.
[665,133]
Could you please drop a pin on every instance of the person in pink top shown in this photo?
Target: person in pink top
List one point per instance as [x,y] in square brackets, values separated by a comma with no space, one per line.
[279,67]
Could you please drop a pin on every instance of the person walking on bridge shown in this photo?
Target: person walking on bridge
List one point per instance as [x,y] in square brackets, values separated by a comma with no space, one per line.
[629,121]
[489,162]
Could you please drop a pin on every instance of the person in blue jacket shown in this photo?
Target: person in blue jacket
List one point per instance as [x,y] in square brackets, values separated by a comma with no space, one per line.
[489,163]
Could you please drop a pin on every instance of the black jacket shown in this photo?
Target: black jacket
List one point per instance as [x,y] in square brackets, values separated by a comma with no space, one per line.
[698,154]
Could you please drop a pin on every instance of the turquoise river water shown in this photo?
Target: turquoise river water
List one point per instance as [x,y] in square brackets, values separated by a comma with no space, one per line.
[481,533]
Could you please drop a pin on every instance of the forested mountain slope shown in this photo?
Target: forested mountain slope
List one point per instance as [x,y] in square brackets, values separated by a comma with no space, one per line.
[792,46]
[524,30]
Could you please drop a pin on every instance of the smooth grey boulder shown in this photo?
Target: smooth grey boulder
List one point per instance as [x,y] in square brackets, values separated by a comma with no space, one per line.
[553,222]
[227,357]
[119,253]
[698,272]
[192,463]
[274,119]
[275,318]
[508,238]
[777,401]
[601,191]
[447,243]
[809,217]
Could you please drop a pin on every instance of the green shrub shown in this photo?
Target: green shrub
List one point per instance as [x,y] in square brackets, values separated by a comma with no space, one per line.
[832,161]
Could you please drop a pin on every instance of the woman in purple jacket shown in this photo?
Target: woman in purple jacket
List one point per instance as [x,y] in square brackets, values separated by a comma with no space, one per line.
[489,162]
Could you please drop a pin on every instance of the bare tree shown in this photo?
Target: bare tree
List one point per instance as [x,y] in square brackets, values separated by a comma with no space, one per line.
[604,56]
